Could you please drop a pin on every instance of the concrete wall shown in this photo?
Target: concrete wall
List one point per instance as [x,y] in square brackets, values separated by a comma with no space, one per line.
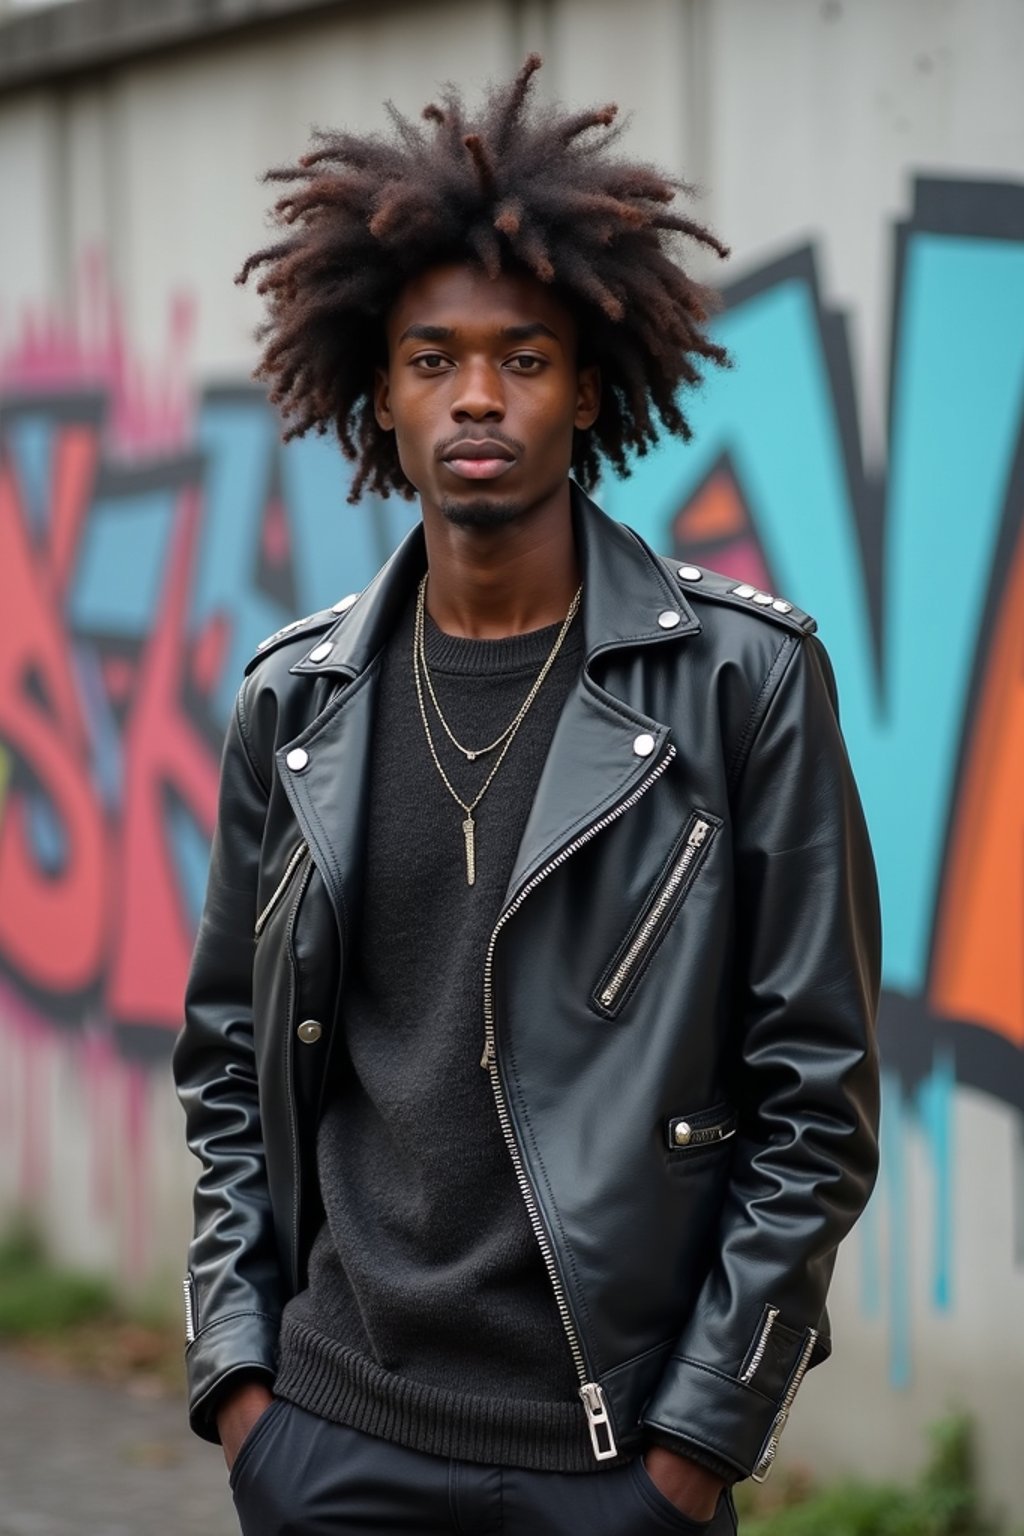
[864,459]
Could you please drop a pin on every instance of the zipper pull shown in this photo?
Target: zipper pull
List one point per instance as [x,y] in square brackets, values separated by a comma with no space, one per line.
[699,833]
[602,1436]
[766,1459]
[488,1055]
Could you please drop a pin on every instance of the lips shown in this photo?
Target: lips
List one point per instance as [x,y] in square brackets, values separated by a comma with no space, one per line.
[478,459]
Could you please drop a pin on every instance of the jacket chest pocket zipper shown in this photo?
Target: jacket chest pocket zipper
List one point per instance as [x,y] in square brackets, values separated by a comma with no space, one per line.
[298,855]
[643,939]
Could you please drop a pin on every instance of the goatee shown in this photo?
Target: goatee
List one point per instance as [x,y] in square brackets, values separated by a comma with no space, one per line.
[481,514]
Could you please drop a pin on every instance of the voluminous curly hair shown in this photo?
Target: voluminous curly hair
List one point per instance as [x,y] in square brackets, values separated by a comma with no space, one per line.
[511,189]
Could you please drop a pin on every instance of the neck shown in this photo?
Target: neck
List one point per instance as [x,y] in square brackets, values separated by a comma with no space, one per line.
[487,583]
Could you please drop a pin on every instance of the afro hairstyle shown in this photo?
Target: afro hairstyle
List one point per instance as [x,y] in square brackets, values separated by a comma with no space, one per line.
[517,187]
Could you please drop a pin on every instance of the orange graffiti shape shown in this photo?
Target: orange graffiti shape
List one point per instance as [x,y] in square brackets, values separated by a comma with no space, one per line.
[716,512]
[978,973]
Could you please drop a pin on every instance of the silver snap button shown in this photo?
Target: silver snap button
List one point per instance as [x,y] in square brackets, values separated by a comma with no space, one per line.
[743,591]
[681,1133]
[764,598]
[297,759]
[689,573]
[322,651]
[344,603]
[669,619]
[781,606]
[643,746]
[309,1031]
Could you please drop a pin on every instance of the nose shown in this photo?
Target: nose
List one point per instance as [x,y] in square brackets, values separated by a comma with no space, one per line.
[478,393]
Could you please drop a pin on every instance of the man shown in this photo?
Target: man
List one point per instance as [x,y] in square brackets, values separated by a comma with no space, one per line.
[532,1118]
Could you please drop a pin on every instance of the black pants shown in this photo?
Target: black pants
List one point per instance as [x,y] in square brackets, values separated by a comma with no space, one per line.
[299,1475]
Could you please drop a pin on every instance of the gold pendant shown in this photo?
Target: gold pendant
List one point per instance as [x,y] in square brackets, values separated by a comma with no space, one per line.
[468,833]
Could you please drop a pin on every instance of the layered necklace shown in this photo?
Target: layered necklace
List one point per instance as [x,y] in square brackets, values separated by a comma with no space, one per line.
[425,690]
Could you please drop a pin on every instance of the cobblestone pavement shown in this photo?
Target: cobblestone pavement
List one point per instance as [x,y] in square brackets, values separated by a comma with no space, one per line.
[81,1459]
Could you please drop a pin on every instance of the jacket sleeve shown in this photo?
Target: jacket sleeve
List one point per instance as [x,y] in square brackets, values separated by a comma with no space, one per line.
[805,1081]
[233,1286]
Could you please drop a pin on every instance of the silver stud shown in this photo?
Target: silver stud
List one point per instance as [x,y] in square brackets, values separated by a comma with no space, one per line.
[781,606]
[681,1133]
[743,591]
[644,744]
[344,603]
[279,634]
[322,651]
[689,573]
[309,1031]
[669,619]
[764,598]
[297,759]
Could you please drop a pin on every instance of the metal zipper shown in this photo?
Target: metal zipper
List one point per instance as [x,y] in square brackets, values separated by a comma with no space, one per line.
[767,1457]
[293,863]
[677,874]
[762,1345]
[190,1314]
[595,1405]
[289,1075]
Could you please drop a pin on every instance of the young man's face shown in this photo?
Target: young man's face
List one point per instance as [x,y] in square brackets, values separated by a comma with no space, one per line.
[483,392]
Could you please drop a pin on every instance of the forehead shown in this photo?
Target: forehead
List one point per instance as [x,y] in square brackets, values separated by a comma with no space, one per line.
[463,299]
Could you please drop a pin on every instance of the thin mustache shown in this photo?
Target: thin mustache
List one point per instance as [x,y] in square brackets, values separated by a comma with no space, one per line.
[511,443]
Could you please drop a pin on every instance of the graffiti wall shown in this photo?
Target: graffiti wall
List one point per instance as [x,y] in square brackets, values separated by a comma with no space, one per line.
[150,536]
[915,571]
[148,540]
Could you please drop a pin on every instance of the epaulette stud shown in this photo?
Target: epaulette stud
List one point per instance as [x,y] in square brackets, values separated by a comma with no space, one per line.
[723,587]
[285,629]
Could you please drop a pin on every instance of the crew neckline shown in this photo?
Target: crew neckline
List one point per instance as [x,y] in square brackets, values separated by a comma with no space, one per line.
[510,653]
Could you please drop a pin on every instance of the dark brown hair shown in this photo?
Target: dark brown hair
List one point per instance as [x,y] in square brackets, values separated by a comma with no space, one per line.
[510,189]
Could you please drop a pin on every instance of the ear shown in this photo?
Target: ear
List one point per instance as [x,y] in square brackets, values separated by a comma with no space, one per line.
[588,396]
[382,400]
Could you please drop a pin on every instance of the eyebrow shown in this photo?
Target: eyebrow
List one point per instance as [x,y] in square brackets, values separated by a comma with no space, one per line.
[526,332]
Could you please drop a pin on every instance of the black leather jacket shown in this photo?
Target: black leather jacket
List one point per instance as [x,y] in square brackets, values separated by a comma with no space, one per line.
[680,994]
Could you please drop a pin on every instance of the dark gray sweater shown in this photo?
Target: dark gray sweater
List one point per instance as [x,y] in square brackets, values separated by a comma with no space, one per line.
[429,1319]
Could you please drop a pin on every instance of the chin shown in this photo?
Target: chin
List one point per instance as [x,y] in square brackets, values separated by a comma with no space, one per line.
[481,513]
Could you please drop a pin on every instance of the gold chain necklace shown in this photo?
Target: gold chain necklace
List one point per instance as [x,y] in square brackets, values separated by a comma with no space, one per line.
[471,754]
[419,660]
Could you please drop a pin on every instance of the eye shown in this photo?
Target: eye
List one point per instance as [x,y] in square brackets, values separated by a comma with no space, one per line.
[526,362]
[430,362]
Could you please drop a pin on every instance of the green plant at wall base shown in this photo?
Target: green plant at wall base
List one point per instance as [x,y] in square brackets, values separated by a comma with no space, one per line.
[945,1500]
[74,1322]
[36,1298]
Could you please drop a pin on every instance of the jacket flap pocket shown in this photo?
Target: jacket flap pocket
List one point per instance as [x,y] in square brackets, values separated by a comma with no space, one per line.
[703,1128]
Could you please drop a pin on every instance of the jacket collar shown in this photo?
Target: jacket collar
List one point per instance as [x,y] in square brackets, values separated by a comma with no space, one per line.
[605,744]
[628,597]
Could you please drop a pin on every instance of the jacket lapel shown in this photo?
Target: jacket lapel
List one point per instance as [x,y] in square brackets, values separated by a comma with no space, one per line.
[592,764]
[329,791]
[604,745]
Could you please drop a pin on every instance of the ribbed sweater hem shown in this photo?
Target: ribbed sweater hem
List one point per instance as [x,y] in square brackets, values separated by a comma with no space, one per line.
[338,1383]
